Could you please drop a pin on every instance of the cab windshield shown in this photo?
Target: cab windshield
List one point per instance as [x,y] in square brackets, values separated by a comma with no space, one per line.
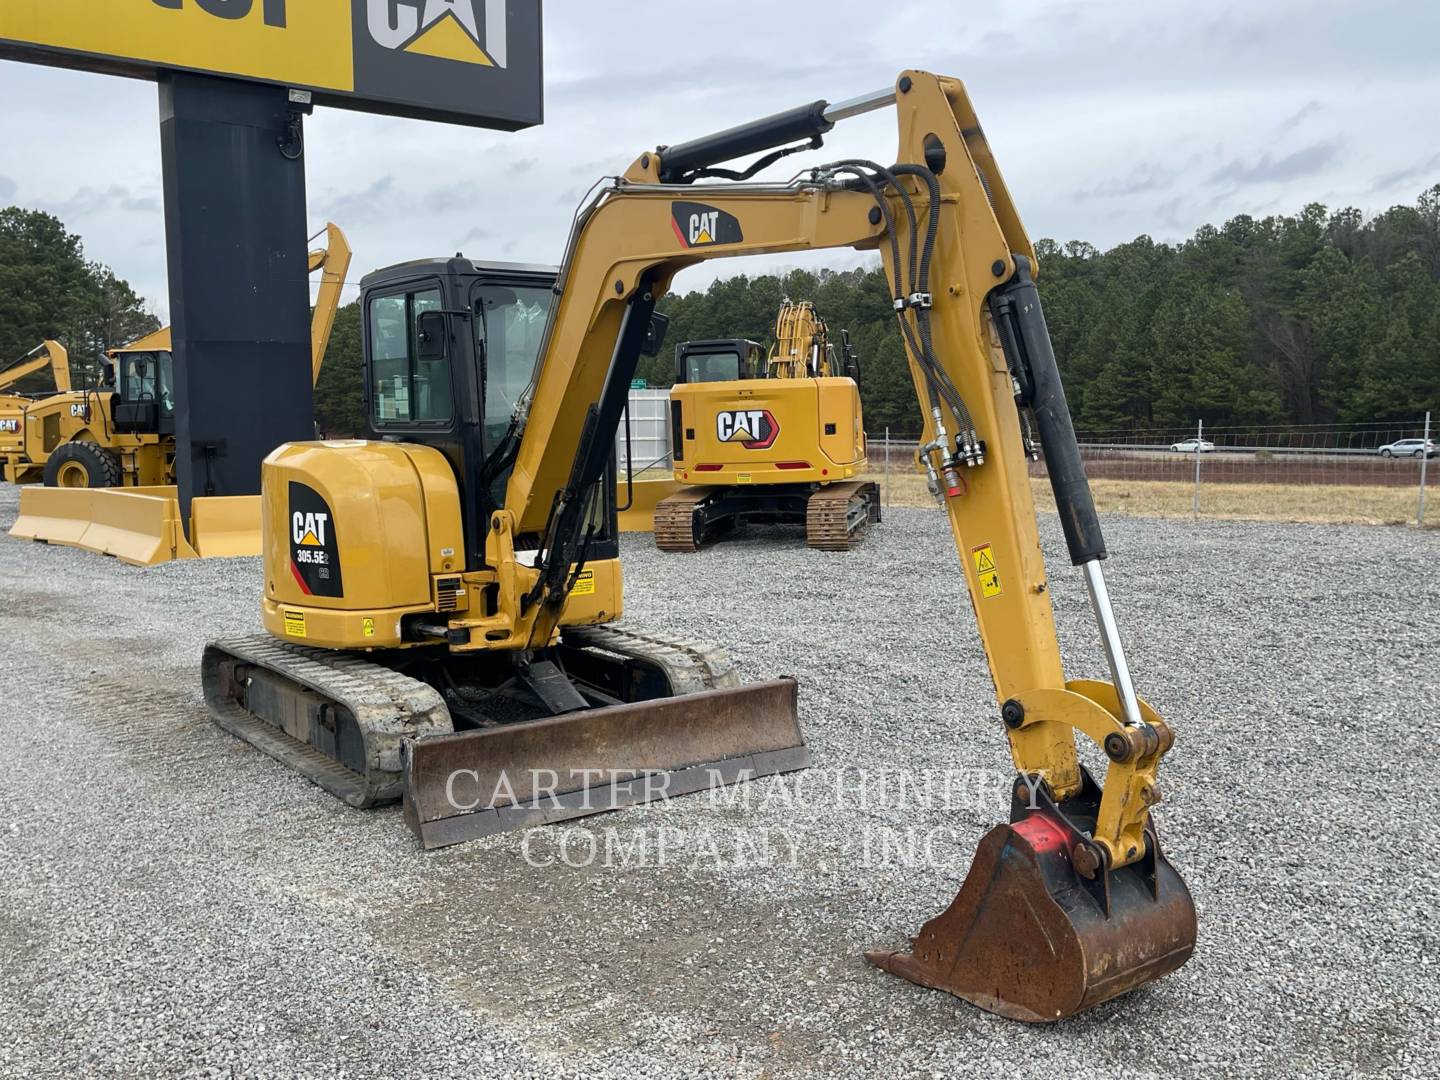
[147,377]
[509,328]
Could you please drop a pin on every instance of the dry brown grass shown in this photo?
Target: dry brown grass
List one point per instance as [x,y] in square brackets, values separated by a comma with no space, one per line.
[1334,503]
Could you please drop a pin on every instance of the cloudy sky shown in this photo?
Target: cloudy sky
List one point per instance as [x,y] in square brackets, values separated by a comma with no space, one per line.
[1110,118]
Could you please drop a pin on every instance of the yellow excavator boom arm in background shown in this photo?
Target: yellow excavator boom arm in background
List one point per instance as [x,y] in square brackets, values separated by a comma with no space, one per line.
[51,354]
[334,262]
[801,343]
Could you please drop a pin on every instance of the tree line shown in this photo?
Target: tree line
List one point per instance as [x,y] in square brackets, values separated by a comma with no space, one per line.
[49,289]
[1312,318]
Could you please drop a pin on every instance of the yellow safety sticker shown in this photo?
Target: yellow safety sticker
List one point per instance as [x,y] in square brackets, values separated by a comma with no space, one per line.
[584,584]
[743,478]
[295,623]
[985,572]
[367,626]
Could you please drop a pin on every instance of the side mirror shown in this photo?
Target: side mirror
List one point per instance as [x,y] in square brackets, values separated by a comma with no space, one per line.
[655,334]
[432,333]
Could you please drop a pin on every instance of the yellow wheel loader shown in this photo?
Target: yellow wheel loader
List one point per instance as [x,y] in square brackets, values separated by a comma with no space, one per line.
[775,438]
[122,434]
[437,598]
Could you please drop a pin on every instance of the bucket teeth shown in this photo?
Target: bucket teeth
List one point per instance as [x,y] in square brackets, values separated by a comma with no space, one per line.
[1028,938]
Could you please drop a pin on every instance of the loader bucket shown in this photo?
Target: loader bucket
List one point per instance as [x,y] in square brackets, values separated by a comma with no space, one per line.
[472,784]
[1029,938]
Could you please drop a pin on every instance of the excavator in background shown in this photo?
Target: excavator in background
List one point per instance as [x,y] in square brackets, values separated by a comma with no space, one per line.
[13,402]
[122,433]
[439,599]
[768,438]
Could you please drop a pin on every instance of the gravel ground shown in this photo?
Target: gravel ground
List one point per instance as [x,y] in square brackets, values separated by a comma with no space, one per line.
[174,903]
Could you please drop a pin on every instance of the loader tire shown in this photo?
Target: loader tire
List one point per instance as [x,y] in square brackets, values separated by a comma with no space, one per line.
[82,464]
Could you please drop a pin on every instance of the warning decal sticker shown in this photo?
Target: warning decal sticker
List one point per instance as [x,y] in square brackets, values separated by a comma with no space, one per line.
[986,574]
[294,623]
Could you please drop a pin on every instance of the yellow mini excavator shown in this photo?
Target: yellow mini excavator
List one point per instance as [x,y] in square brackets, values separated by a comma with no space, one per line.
[122,433]
[775,438]
[437,598]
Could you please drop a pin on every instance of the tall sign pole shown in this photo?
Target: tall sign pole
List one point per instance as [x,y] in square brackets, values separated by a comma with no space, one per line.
[233,163]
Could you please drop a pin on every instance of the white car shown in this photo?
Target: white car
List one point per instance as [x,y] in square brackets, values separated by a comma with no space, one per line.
[1409,448]
[1193,446]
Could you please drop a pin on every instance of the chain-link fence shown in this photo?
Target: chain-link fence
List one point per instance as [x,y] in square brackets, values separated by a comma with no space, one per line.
[1369,472]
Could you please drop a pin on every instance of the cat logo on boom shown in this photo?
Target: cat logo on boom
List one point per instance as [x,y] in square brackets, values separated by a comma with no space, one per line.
[754,429]
[698,225]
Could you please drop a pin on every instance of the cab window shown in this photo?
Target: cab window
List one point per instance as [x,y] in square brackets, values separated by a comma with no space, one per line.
[147,377]
[509,329]
[404,388]
[712,367]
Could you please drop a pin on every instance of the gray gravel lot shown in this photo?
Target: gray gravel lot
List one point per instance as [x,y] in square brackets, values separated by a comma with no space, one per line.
[174,903]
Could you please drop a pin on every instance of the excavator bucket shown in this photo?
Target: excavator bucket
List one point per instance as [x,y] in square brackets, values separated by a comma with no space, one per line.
[1030,937]
[472,784]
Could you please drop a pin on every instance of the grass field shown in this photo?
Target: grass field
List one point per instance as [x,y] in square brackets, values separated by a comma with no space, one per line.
[1241,502]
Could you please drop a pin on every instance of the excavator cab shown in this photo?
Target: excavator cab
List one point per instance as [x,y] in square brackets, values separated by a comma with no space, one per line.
[450,352]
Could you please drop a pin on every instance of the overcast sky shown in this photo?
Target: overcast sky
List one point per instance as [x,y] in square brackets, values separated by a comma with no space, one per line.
[1110,118]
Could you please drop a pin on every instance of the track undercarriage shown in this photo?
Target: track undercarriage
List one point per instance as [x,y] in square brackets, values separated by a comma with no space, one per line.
[835,516]
[476,744]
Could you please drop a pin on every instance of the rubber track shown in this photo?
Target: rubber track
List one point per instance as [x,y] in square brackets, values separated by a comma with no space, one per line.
[391,708]
[675,519]
[836,516]
[690,668]
[388,707]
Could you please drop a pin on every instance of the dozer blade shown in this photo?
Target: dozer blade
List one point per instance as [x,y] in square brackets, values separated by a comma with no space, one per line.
[463,786]
[1029,938]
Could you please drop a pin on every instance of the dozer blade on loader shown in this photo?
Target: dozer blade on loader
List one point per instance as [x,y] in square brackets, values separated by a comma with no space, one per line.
[472,784]
[1033,936]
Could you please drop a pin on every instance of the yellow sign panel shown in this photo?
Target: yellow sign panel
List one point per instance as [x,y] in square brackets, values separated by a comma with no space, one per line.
[367,626]
[584,584]
[306,43]
[295,623]
[985,572]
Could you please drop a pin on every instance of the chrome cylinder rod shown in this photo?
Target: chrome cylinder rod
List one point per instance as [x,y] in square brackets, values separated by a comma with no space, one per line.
[843,110]
[1110,641]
